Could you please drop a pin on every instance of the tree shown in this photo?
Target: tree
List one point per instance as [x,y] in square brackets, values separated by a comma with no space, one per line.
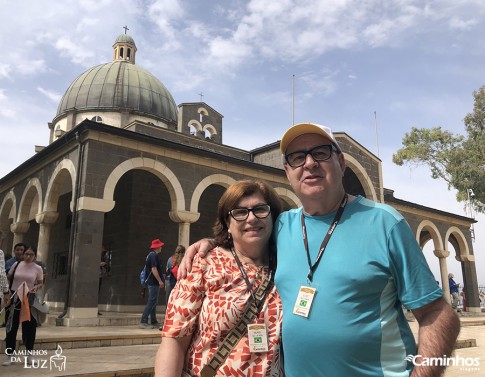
[459,160]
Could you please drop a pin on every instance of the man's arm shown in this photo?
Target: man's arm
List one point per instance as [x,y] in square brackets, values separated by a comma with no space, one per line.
[438,329]
[157,276]
[201,247]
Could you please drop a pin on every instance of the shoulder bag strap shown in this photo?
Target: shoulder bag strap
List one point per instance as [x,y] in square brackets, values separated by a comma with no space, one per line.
[13,274]
[234,336]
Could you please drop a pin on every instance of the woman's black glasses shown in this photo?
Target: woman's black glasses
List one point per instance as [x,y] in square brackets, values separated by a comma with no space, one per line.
[241,214]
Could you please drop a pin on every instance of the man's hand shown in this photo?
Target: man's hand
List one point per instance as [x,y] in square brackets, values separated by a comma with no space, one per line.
[201,247]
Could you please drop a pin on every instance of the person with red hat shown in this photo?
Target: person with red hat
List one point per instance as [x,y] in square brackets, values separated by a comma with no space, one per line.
[154,282]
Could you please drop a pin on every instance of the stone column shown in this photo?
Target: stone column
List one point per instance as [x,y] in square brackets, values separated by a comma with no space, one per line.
[470,283]
[83,290]
[19,230]
[184,218]
[45,220]
[442,255]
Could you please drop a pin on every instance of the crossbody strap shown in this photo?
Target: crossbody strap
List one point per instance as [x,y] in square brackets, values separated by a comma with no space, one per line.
[234,336]
[13,275]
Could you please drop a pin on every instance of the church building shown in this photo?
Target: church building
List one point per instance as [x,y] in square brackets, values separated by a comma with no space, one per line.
[125,164]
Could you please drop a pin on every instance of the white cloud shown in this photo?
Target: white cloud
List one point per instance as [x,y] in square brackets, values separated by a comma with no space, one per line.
[52,95]
[459,24]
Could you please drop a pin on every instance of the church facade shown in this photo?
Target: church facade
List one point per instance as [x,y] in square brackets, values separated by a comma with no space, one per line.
[125,165]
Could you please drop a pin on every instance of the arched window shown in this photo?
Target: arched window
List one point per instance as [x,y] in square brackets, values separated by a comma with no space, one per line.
[97,118]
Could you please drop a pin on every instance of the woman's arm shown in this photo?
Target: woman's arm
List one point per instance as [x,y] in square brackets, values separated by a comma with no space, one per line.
[170,357]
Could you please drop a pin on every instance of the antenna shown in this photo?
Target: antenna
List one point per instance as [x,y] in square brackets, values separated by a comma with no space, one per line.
[377,136]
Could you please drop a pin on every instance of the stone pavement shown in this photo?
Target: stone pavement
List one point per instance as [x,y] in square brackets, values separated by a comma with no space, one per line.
[130,351]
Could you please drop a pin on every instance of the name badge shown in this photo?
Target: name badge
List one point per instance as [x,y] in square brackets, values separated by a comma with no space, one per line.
[258,338]
[304,301]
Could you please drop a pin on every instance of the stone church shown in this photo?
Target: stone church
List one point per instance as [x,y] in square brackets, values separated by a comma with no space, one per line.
[125,164]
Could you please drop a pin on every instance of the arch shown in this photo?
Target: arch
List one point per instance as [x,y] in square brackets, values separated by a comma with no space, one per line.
[62,171]
[195,124]
[218,179]
[458,242]
[362,175]
[31,191]
[210,128]
[288,196]
[157,168]
[427,225]
[8,210]
[203,111]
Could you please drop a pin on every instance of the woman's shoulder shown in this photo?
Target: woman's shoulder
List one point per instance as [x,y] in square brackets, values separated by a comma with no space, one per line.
[216,256]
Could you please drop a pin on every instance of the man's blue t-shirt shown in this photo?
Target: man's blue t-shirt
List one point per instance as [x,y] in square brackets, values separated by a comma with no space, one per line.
[153,261]
[371,267]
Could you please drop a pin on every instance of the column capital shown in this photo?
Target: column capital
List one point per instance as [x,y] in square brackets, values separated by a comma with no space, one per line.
[179,216]
[48,217]
[441,253]
[465,258]
[20,227]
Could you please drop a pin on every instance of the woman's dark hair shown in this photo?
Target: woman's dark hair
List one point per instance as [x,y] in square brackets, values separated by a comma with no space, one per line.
[33,248]
[178,255]
[230,199]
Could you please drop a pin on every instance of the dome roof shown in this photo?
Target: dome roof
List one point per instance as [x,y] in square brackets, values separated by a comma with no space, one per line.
[119,85]
[125,38]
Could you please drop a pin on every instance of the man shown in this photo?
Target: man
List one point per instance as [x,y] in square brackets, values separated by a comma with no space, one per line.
[18,251]
[346,265]
[154,282]
[453,291]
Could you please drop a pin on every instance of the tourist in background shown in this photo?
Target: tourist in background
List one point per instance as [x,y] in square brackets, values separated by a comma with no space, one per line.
[172,269]
[29,272]
[154,282]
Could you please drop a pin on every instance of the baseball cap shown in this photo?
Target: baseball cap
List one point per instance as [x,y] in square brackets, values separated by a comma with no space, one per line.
[306,128]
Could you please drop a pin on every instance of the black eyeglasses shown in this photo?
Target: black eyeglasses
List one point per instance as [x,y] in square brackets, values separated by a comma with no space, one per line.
[318,153]
[240,214]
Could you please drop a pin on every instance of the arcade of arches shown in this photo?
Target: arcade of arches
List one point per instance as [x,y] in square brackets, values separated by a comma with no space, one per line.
[105,186]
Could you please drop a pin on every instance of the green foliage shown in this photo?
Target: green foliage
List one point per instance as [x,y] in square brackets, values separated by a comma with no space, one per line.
[459,160]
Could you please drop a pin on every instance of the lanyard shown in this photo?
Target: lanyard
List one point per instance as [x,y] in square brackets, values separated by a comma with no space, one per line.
[248,283]
[336,219]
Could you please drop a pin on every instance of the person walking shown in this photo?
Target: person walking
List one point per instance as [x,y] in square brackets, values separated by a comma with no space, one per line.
[172,270]
[28,272]
[4,291]
[346,266]
[18,251]
[237,274]
[154,282]
[453,291]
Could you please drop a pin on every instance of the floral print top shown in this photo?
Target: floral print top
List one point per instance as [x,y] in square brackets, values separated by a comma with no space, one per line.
[208,304]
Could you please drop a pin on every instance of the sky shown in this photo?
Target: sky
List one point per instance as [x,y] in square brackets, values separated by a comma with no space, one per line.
[372,69]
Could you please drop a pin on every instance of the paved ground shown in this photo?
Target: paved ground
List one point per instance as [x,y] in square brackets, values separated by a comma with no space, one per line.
[139,359]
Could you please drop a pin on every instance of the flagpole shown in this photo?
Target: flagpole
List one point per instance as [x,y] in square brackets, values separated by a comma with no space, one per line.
[377,136]
[293,101]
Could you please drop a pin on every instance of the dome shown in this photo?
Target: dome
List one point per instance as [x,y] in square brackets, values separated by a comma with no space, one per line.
[125,38]
[119,85]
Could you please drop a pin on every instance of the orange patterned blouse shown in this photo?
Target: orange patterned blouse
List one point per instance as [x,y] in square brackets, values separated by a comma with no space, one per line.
[209,302]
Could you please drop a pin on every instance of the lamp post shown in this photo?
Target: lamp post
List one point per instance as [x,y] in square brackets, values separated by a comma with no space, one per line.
[471,195]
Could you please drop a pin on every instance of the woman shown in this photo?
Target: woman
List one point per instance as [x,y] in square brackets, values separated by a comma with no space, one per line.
[171,270]
[31,273]
[206,305]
